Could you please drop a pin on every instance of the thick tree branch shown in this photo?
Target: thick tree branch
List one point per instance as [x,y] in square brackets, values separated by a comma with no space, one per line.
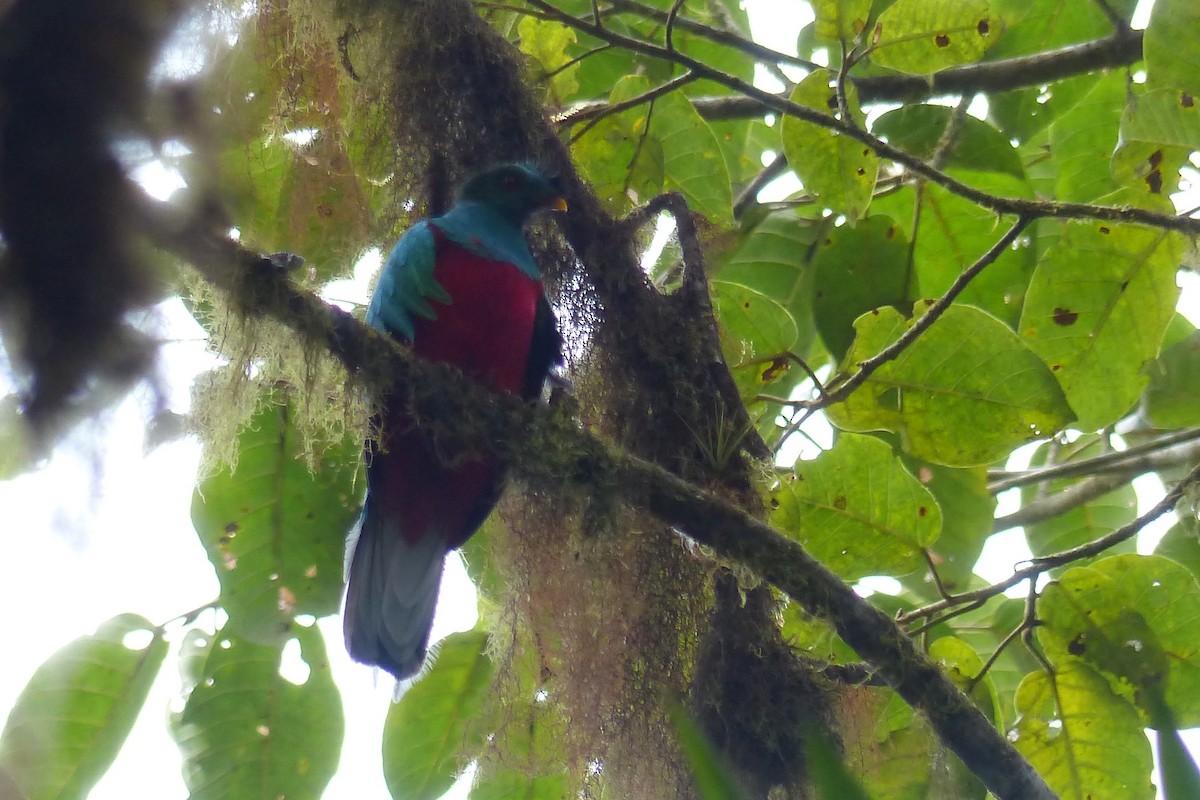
[520,433]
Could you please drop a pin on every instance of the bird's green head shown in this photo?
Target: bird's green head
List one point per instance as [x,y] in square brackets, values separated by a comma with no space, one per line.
[514,190]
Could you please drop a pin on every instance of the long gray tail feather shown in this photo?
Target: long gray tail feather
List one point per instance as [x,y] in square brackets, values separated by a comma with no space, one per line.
[391,592]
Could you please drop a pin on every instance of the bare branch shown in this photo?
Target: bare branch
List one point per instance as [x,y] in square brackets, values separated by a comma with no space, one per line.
[1124,460]
[1045,563]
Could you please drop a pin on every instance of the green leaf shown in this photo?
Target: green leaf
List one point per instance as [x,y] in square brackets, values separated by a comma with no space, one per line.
[858,510]
[1136,618]
[919,128]
[16,452]
[964,394]
[72,717]
[273,529]
[1083,141]
[246,731]
[840,20]
[921,37]
[693,163]
[967,513]
[1170,46]
[858,269]
[773,259]
[754,327]
[547,42]
[1084,740]
[835,169]
[953,232]
[1096,312]
[1181,544]
[754,318]
[712,775]
[429,737]
[617,156]
[1170,400]
[322,212]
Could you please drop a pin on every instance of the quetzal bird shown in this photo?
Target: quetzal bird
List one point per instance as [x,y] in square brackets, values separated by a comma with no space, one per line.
[461,288]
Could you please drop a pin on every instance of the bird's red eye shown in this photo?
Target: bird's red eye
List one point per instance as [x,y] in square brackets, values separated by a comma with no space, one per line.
[509,182]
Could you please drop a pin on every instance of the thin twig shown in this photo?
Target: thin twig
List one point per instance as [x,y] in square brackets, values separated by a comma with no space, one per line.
[1003,205]
[1046,563]
[1090,466]
[728,38]
[648,96]
[867,367]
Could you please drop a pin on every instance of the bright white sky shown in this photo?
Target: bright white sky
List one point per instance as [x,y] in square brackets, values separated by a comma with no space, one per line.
[103,528]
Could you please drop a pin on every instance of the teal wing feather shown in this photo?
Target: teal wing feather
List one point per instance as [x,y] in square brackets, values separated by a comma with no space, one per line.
[407,283]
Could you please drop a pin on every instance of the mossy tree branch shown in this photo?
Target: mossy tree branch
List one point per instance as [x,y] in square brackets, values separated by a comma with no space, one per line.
[548,449]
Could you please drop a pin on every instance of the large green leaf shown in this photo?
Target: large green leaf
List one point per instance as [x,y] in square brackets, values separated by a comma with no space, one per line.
[967,513]
[546,43]
[952,233]
[246,730]
[773,259]
[74,714]
[693,163]
[1083,140]
[1096,312]
[1170,46]
[1134,618]
[273,529]
[924,36]
[858,269]
[754,327]
[618,156]
[1084,740]
[858,510]
[835,169]
[964,394]
[429,736]
[978,147]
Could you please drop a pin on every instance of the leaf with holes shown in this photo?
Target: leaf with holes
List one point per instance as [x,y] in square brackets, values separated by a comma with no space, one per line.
[248,731]
[1096,312]
[858,510]
[72,717]
[1084,740]
[1134,618]
[964,394]
[837,170]
[273,529]
[921,37]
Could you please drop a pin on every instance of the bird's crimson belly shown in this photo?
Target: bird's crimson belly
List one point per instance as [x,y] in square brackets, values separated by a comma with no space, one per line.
[487,328]
[486,332]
